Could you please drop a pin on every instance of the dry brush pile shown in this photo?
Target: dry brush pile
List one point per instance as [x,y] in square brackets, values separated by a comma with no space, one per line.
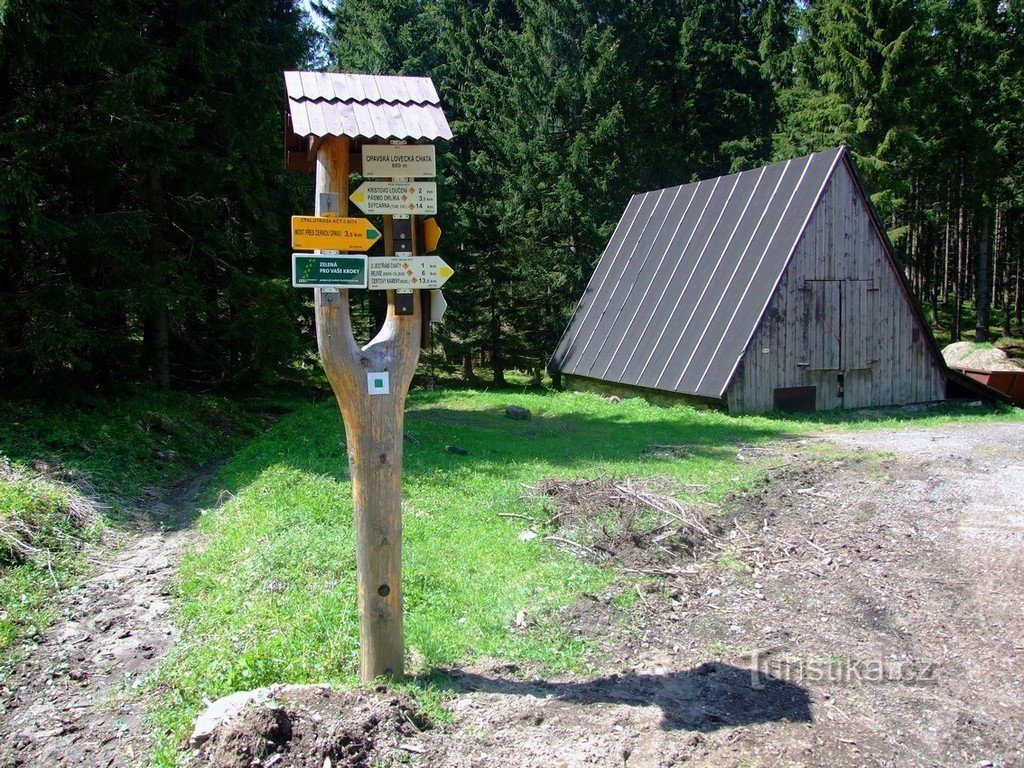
[638,525]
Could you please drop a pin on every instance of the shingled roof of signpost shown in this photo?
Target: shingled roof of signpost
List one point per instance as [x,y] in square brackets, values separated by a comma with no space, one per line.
[358,106]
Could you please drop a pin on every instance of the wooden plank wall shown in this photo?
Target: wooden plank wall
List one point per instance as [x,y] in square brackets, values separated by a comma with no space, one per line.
[841,243]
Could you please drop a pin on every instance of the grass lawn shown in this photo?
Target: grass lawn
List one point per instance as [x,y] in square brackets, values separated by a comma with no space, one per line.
[267,593]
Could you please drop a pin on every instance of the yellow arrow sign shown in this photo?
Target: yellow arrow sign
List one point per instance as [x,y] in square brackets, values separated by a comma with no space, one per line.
[324,233]
[431,235]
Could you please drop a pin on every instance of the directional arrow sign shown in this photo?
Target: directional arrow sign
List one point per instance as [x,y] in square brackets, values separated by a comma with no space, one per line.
[323,233]
[381,161]
[396,197]
[437,306]
[339,271]
[431,235]
[408,272]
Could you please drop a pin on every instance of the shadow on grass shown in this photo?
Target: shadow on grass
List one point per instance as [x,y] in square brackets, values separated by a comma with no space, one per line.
[501,448]
[706,698]
[566,438]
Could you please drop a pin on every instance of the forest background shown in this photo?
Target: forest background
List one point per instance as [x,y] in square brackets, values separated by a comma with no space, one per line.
[144,204]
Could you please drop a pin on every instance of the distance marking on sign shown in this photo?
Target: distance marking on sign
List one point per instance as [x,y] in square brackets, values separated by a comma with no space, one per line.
[408,273]
[330,233]
[396,197]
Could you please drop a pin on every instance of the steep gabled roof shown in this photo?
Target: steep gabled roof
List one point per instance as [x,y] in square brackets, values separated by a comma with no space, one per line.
[687,275]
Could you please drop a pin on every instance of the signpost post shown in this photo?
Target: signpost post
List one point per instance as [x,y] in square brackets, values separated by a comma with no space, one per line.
[370,385]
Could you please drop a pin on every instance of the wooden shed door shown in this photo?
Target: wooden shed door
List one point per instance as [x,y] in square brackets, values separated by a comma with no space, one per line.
[822,325]
[858,325]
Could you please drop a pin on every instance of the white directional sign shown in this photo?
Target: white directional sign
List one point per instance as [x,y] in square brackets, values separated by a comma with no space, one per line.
[382,161]
[408,272]
[437,306]
[396,197]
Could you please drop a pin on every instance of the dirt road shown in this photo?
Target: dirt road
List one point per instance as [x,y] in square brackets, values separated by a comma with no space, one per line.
[74,700]
[883,601]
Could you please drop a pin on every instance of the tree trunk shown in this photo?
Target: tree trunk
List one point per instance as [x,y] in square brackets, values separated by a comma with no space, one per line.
[1018,301]
[1007,268]
[983,295]
[156,332]
[497,358]
[955,330]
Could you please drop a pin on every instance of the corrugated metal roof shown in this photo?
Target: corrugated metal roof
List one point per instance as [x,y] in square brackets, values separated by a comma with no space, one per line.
[364,106]
[687,275]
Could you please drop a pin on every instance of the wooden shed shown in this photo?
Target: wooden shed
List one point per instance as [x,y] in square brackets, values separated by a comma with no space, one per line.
[774,288]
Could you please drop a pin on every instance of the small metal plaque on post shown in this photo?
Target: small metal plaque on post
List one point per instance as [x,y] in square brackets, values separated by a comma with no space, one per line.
[404,302]
[329,203]
[328,297]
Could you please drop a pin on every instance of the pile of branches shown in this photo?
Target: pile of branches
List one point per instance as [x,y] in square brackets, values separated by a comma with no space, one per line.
[645,529]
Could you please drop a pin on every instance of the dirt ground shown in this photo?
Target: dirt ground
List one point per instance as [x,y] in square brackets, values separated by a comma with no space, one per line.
[862,607]
[72,701]
[880,598]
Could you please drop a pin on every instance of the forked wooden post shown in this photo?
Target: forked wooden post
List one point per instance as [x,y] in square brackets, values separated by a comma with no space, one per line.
[373,432]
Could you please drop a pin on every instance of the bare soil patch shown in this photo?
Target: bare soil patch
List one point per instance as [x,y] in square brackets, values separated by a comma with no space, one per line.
[313,726]
[636,524]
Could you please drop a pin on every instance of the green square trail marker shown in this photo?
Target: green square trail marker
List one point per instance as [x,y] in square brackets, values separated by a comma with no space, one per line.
[377,383]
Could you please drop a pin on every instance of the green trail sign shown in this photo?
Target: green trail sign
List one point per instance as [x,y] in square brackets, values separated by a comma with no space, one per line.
[338,271]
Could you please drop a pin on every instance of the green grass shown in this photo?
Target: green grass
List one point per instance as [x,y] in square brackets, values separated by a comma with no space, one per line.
[268,593]
[38,519]
[120,446]
[68,471]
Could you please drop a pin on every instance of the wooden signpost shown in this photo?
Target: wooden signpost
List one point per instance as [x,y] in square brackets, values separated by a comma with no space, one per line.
[370,383]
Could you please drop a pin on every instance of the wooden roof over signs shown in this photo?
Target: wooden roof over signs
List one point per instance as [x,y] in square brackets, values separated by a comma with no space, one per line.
[358,106]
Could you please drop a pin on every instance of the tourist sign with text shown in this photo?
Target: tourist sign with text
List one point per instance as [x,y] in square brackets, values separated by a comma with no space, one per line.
[381,161]
[408,273]
[331,270]
[332,233]
[396,197]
